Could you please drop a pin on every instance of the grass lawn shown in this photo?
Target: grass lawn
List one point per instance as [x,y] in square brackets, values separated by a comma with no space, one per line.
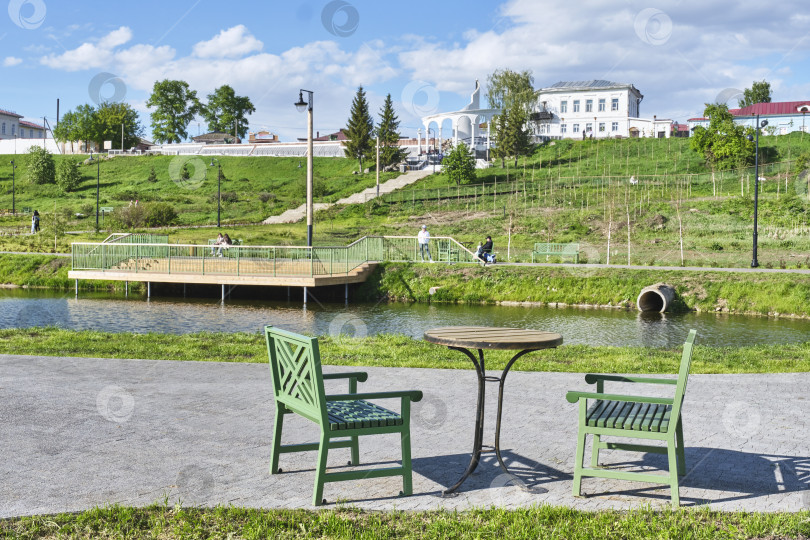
[387,350]
[160,521]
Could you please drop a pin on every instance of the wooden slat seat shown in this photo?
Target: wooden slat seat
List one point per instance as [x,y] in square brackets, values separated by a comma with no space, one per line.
[629,415]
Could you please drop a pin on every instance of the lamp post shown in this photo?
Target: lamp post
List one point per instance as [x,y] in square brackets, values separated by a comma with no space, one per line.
[13,190]
[759,125]
[302,106]
[219,190]
[98,179]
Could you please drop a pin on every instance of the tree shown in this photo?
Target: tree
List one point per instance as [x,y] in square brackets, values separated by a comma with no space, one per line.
[724,144]
[459,164]
[67,128]
[40,166]
[514,94]
[68,176]
[360,144]
[175,105]
[225,111]
[86,128]
[388,132]
[760,92]
[109,119]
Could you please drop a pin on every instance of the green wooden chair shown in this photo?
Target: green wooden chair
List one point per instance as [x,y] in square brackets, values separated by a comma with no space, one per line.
[636,417]
[295,366]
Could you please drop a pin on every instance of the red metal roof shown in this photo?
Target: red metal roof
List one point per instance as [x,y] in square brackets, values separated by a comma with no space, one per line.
[697,119]
[776,108]
[9,113]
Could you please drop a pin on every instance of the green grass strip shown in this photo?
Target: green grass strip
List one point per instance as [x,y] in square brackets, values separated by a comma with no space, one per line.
[391,350]
[160,521]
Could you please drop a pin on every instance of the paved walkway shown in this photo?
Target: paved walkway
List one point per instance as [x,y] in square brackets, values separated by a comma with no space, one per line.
[84,432]
[297,214]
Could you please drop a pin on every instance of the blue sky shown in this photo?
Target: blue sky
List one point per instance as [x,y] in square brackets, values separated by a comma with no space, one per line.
[680,54]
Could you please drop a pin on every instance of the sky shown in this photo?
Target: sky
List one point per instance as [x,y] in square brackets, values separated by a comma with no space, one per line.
[427,54]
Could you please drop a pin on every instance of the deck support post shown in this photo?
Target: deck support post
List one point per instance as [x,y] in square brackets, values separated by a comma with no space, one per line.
[77,288]
[305,296]
[288,293]
[223,293]
[148,289]
[346,294]
[126,289]
[184,290]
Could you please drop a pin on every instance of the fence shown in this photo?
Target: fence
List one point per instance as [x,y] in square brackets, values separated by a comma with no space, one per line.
[140,257]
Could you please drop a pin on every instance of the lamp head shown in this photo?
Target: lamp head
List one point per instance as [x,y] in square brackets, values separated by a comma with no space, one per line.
[750,137]
[301,105]
[212,162]
[763,123]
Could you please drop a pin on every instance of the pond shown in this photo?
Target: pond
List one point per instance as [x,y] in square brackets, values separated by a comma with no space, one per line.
[103,311]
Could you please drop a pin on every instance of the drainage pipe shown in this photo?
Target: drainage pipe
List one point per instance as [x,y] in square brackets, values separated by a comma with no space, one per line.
[656,298]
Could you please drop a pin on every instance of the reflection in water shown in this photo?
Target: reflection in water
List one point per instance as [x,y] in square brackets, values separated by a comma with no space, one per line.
[100,311]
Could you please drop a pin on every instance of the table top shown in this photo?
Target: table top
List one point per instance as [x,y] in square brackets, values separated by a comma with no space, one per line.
[488,337]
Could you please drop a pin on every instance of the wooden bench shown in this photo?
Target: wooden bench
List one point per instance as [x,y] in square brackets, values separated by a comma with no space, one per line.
[298,387]
[637,417]
[557,250]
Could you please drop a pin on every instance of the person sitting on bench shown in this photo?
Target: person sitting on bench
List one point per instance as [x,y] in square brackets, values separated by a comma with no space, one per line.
[485,251]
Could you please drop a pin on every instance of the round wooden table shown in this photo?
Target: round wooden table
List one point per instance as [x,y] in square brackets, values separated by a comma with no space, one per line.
[464,338]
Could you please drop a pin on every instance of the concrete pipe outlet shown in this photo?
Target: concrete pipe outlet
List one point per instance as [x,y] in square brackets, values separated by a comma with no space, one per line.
[655,298]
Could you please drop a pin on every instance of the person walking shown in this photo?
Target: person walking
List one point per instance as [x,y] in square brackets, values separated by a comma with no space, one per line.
[35,222]
[423,238]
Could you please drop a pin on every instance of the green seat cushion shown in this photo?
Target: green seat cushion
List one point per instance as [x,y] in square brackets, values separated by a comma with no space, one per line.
[359,414]
[629,415]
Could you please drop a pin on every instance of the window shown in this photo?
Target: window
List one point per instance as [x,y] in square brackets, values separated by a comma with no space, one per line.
[4,128]
[588,127]
[576,105]
[614,104]
[601,127]
[588,105]
[576,128]
[563,106]
[602,105]
[13,129]
[563,128]
[614,126]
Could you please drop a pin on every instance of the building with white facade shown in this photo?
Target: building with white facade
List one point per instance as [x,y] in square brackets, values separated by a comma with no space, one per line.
[598,109]
[12,126]
[783,117]
[470,125]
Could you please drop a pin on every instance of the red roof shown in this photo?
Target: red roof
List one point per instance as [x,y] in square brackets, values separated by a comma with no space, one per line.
[777,108]
[697,119]
[339,136]
[25,123]
[9,113]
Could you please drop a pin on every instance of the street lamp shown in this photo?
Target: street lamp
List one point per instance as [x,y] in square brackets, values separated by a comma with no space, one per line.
[219,191]
[759,125]
[13,190]
[98,178]
[302,106]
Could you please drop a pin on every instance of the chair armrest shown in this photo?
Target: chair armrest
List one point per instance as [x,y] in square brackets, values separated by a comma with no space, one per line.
[413,395]
[361,376]
[592,378]
[573,397]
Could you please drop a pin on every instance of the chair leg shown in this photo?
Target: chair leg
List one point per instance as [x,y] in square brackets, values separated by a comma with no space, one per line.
[672,454]
[407,474]
[681,448]
[355,450]
[323,452]
[578,463]
[275,451]
[595,453]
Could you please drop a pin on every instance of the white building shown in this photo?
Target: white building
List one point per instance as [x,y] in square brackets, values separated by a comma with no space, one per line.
[12,126]
[598,109]
[470,125]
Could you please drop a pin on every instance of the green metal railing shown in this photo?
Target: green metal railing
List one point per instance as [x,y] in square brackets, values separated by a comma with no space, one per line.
[145,257]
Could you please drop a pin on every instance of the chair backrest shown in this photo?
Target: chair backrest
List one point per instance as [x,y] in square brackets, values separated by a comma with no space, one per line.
[683,374]
[295,365]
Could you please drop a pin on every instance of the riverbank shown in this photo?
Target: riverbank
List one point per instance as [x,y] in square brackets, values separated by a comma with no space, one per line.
[389,350]
[47,272]
[777,295]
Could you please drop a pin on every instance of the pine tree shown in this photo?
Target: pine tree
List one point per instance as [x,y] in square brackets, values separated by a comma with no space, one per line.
[360,144]
[388,132]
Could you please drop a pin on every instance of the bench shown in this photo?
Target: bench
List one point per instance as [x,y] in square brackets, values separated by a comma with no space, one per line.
[236,242]
[637,417]
[298,387]
[557,250]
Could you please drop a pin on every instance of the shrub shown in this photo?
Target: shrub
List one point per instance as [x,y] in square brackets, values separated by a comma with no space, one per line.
[87,209]
[129,217]
[41,167]
[67,175]
[160,214]
[153,175]
[226,196]
[266,196]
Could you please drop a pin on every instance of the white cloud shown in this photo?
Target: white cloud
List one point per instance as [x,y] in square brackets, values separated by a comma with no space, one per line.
[10,61]
[89,55]
[234,42]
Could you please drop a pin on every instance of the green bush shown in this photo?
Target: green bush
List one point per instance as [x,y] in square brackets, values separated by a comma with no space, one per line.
[265,196]
[68,176]
[41,166]
[152,175]
[160,214]
[128,217]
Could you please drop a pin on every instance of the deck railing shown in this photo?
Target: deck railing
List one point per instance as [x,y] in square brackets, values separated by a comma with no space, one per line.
[149,257]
